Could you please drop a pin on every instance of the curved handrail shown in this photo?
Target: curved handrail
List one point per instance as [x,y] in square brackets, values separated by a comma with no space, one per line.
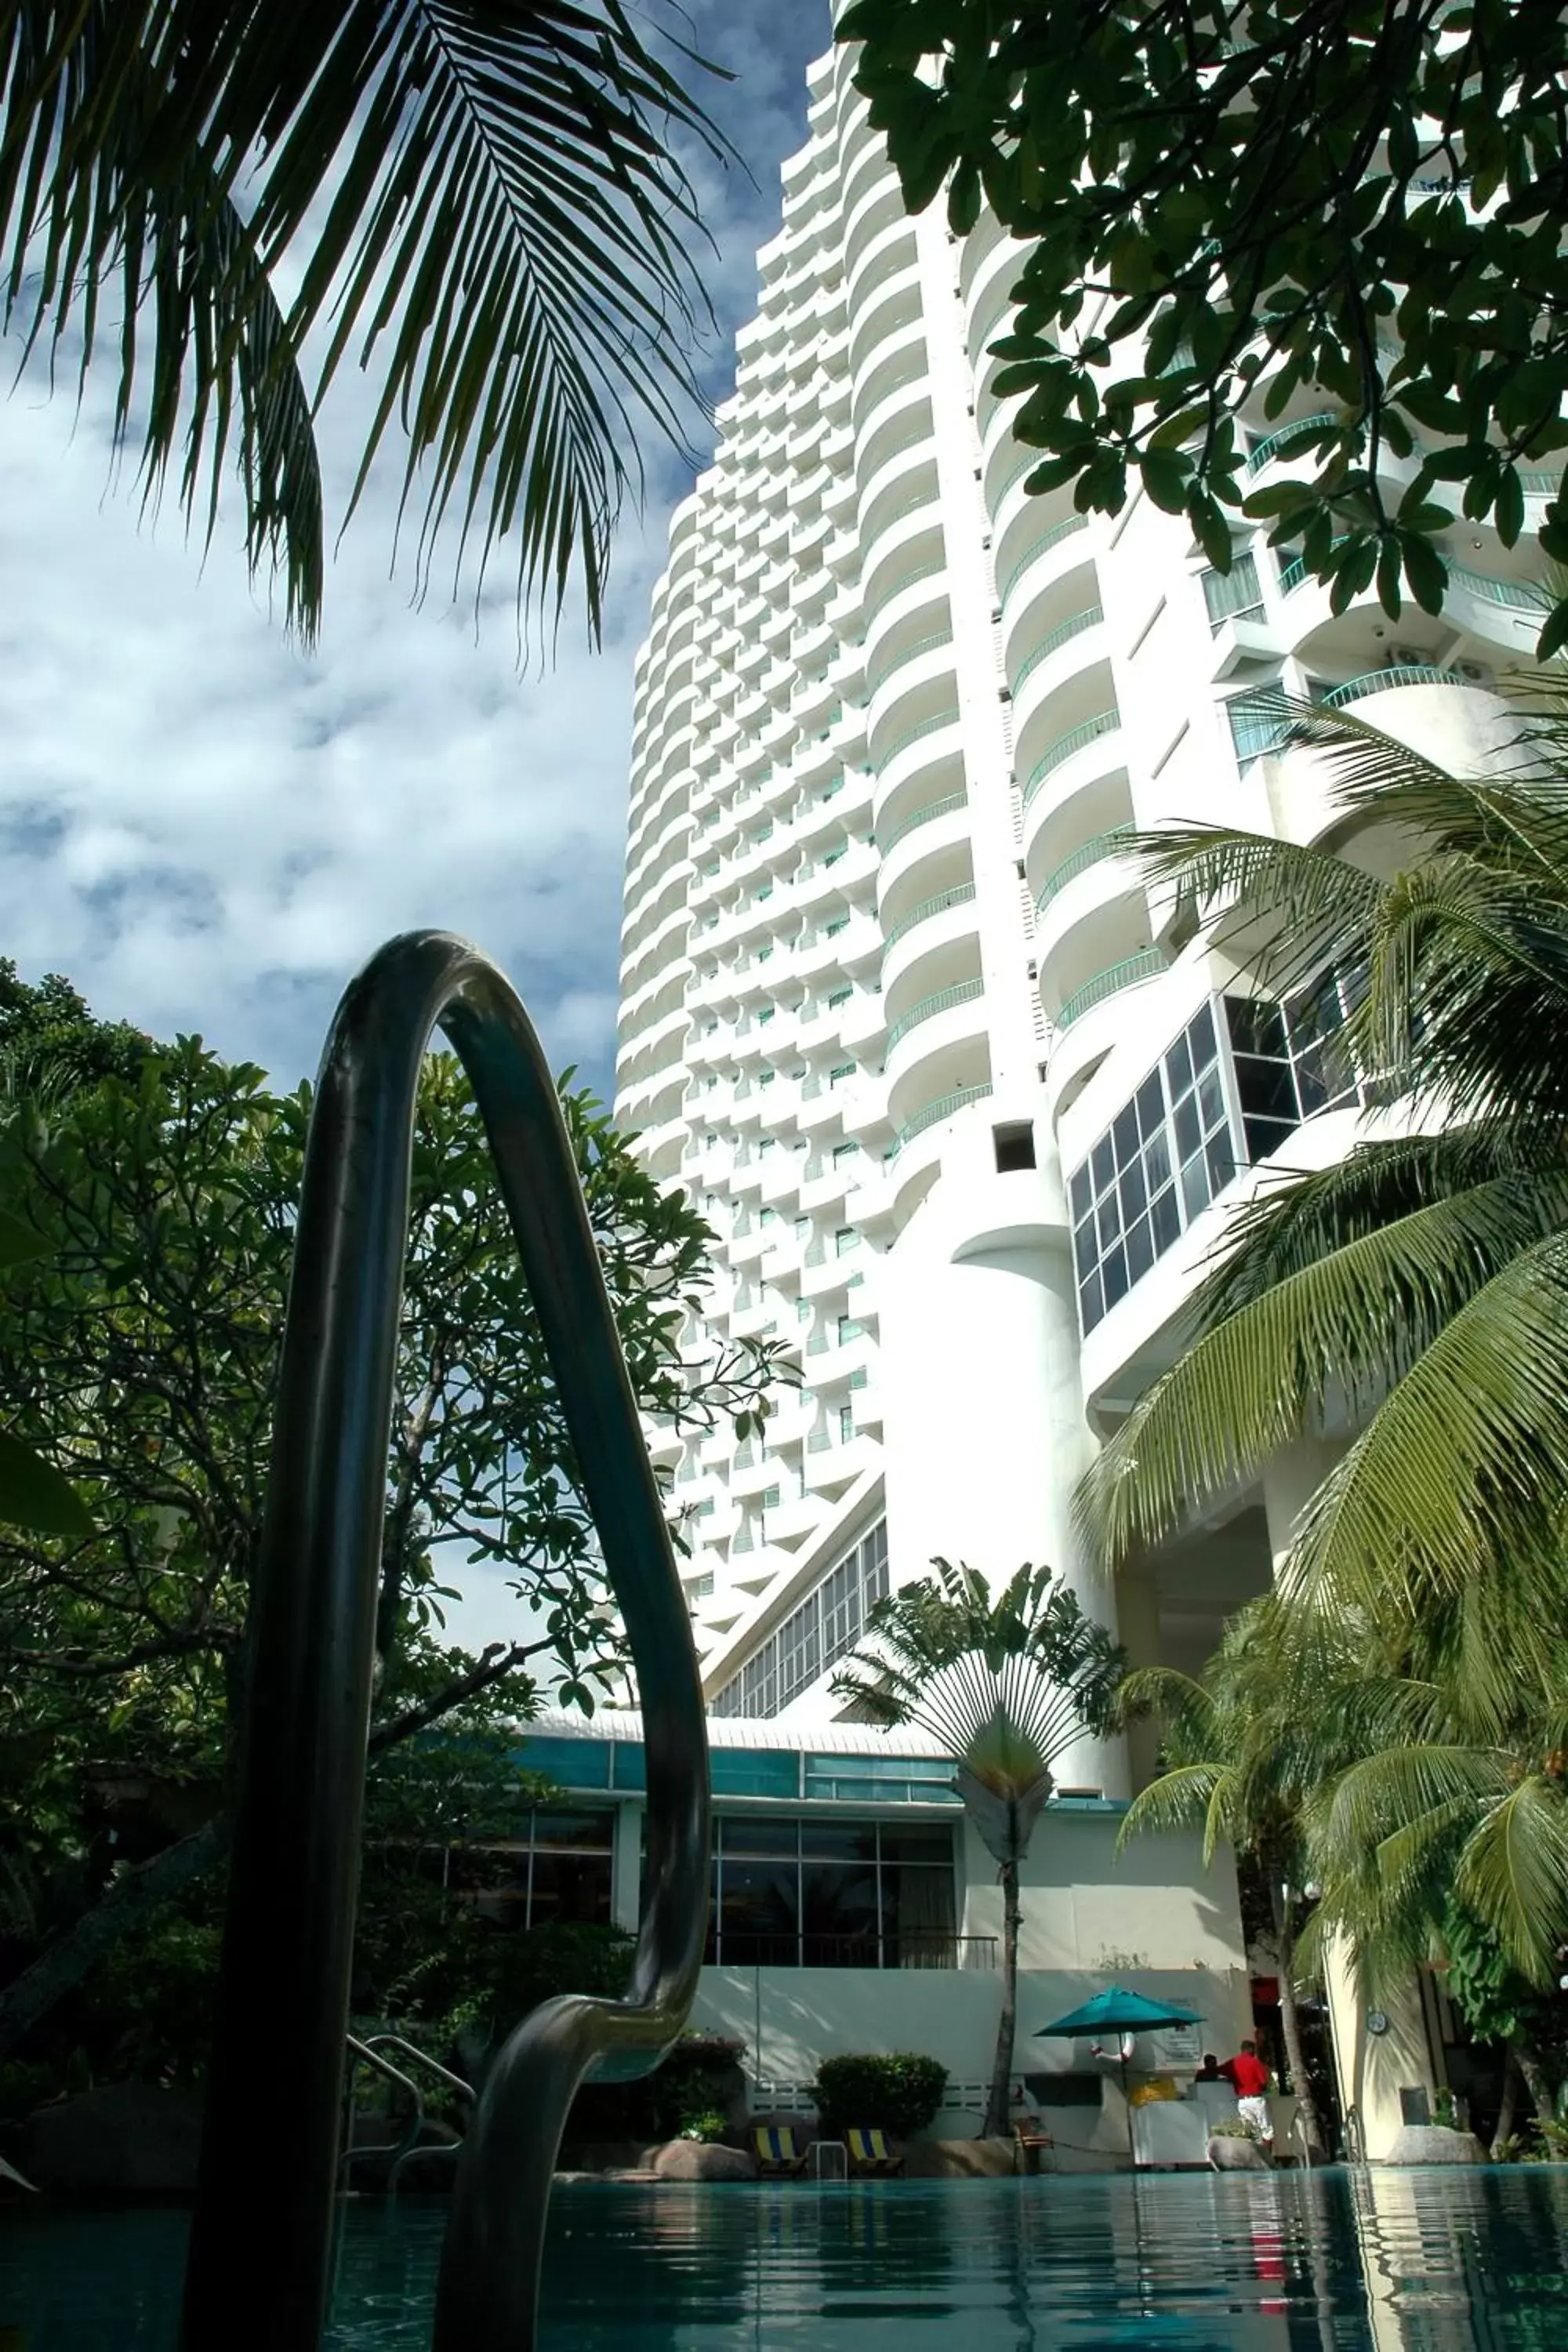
[258,2271]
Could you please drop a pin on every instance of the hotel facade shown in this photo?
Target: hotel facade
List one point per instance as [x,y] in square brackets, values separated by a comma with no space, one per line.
[966,1105]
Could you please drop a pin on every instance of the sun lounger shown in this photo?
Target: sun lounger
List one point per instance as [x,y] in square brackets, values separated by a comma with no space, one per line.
[779,2156]
[869,2152]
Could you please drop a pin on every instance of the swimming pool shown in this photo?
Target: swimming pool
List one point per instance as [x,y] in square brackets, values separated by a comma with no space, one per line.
[1430,2261]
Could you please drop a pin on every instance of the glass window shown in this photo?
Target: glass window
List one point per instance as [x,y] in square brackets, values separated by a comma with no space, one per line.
[836,1893]
[827,1622]
[1258,723]
[1233,595]
[1127,1212]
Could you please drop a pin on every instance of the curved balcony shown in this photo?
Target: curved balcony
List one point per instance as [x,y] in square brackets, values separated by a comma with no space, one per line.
[1093,852]
[1066,747]
[906,479]
[1090,617]
[1288,437]
[913,549]
[897,307]
[933,1114]
[899,420]
[891,837]
[988,293]
[962,894]
[943,929]
[881,243]
[1131,971]
[891,365]
[1041,562]
[1380,681]
[900,655]
[934,1044]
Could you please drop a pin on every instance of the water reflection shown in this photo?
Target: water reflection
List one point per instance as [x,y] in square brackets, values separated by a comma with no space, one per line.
[1434,2261]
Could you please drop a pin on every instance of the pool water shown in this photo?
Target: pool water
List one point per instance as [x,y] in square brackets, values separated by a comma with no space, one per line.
[1430,2261]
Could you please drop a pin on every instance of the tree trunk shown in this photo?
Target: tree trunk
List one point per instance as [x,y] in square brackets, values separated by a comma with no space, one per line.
[1540,2089]
[999,2106]
[129,1901]
[1512,2084]
[1290,2027]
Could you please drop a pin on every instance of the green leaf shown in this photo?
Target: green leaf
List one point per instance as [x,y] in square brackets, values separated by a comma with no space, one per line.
[1425,570]
[35,1495]
[19,1242]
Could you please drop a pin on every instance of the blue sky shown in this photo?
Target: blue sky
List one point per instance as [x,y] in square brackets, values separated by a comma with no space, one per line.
[209,829]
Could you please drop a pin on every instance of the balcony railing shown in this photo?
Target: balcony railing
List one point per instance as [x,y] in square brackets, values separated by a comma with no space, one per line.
[1104,722]
[910,1948]
[886,843]
[885,670]
[1089,618]
[1093,852]
[1379,681]
[1053,538]
[964,991]
[961,895]
[935,1112]
[908,579]
[1110,982]
[1286,436]
[917,734]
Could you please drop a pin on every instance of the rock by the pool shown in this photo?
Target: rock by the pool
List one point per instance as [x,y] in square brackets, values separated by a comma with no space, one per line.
[1434,2144]
[961,2159]
[695,2159]
[1227,2152]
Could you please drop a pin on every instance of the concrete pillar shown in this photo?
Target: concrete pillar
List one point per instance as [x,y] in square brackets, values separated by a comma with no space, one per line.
[626,1865]
[1138,1622]
[986,1433]
[1374,2067]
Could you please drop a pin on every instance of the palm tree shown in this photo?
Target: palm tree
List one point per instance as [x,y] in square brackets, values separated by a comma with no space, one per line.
[1240,1757]
[1450,1791]
[473,201]
[1005,1687]
[1415,1294]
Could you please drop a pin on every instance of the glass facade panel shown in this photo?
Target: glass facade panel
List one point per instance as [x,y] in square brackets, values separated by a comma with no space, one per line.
[1176,1146]
[834,1895]
[826,1624]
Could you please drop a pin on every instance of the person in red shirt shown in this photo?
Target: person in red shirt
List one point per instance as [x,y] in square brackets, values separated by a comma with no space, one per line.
[1249,2076]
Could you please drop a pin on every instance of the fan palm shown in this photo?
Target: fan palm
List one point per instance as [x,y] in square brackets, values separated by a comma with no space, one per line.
[474,200]
[1005,1687]
[1415,1294]
[1241,1755]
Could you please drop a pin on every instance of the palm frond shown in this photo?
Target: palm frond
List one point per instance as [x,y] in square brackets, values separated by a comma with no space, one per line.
[1344,1324]
[1176,1799]
[1460,1463]
[1513,1874]
[484,209]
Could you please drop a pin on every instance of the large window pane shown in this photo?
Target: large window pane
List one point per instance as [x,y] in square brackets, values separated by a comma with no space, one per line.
[918,1916]
[573,1886]
[838,1905]
[759,1916]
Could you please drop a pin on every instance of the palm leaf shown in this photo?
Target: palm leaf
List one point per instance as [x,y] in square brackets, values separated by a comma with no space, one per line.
[1344,1323]
[477,199]
[1461,1462]
[1513,1874]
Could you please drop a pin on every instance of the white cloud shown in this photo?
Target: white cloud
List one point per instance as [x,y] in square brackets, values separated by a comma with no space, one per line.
[208,828]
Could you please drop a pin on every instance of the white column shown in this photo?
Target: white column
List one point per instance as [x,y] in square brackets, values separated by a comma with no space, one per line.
[626,1868]
[986,1435]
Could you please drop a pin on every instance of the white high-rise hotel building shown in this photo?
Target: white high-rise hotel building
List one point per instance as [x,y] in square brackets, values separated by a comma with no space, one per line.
[965,1106]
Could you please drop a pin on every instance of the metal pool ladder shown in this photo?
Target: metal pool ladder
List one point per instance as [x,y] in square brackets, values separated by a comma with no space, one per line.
[372,2053]
[258,2273]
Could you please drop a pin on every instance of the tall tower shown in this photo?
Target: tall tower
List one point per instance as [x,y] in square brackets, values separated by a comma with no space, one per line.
[967,1107]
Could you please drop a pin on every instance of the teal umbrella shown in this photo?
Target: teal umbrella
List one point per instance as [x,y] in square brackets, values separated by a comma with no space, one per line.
[1117,2011]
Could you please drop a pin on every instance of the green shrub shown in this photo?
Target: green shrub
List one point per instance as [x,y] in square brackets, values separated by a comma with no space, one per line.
[709,2127]
[898,2093]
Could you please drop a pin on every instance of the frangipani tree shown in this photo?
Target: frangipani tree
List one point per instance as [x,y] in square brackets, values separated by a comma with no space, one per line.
[1006,1685]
